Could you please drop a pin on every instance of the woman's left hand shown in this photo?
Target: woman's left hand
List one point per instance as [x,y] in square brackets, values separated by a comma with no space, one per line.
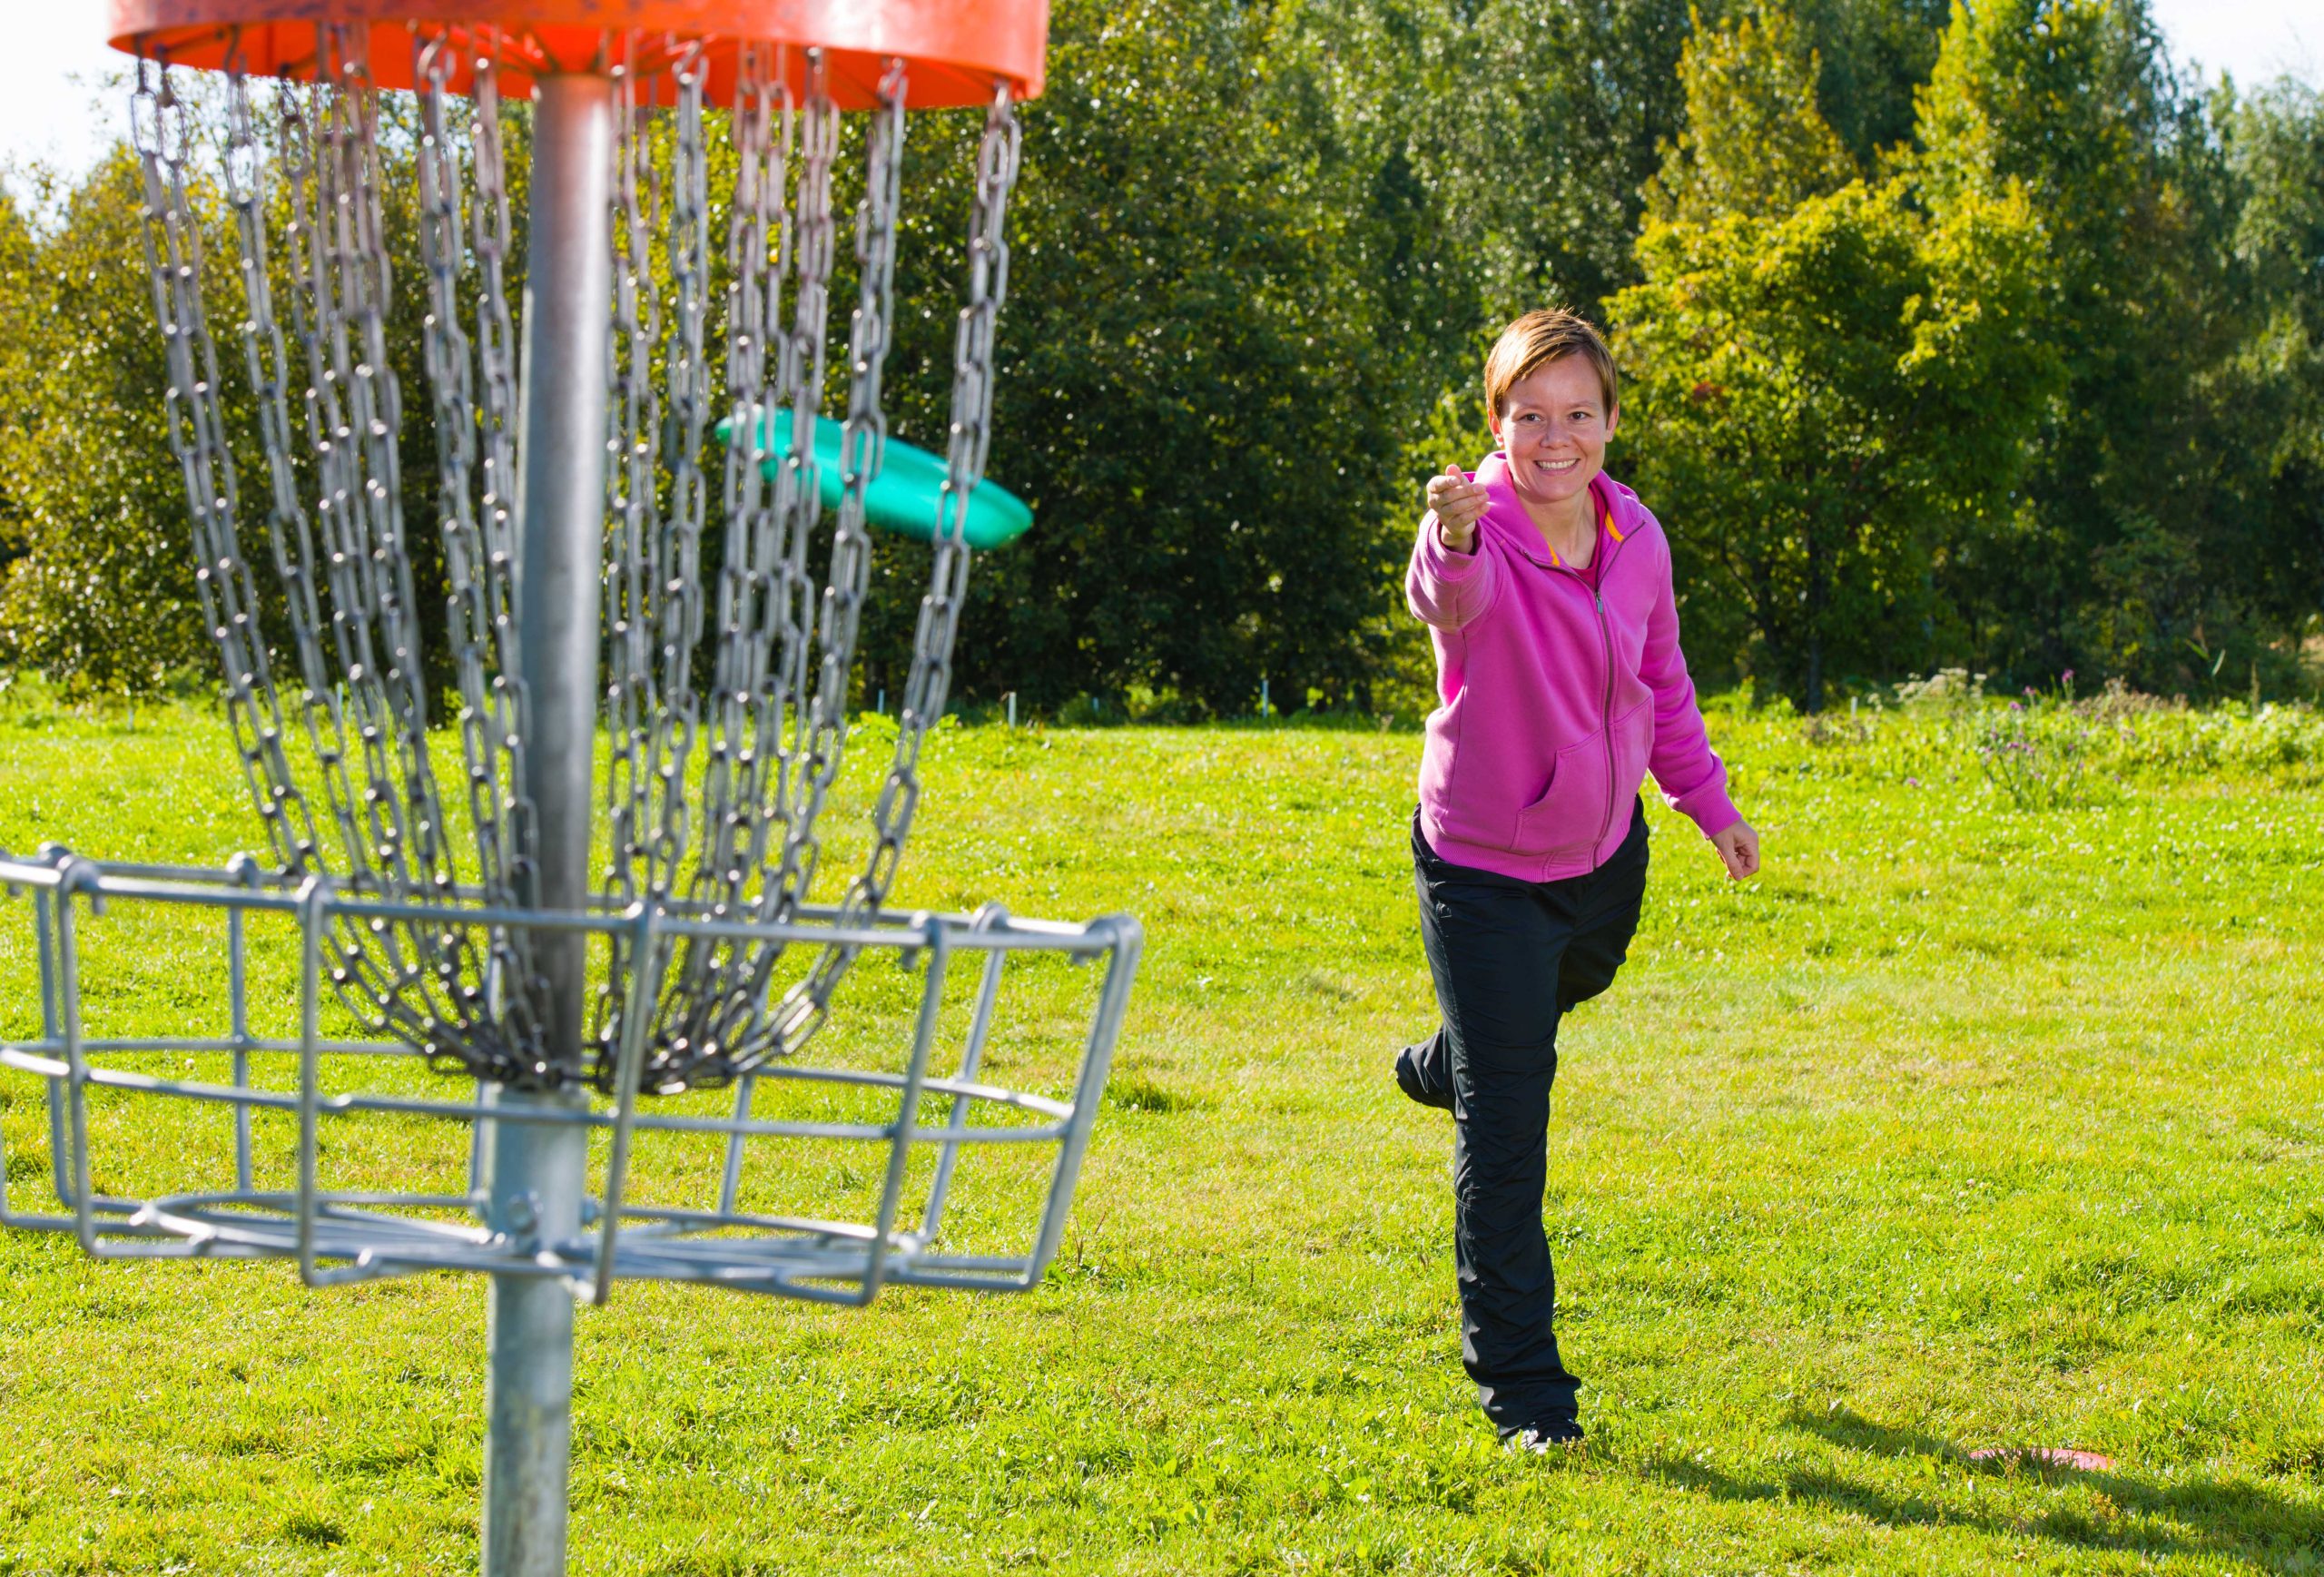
[1739,847]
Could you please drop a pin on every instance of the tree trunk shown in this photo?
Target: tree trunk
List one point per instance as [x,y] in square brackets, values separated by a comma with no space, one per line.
[1819,596]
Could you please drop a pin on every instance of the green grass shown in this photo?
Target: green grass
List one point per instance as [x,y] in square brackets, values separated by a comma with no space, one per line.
[1964,1126]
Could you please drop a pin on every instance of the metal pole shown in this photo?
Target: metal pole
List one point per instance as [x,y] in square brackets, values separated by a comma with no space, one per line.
[539,1171]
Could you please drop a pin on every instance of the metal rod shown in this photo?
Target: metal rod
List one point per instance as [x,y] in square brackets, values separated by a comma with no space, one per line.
[246,870]
[907,1126]
[561,542]
[1097,1061]
[51,1018]
[537,1179]
[68,997]
[645,989]
[730,1181]
[972,1059]
[314,920]
[539,1171]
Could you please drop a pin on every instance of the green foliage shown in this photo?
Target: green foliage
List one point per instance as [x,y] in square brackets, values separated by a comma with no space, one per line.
[99,585]
[1755,145]
[2053,405]
[2038,768]
[1191,352]
[2161,524]
[2027,335]
[97,582]
[1874,54]
[1823,382]
[2054,748]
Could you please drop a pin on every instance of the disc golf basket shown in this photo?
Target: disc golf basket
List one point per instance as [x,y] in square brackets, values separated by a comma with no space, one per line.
[559,1047]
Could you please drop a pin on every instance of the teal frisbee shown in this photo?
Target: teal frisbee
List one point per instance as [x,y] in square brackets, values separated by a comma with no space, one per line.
[907,494]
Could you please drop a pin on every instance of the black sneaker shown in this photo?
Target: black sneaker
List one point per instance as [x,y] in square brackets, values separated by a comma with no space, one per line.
[1408,1080]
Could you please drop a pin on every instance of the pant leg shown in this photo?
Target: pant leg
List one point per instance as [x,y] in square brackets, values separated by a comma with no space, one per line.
[1608,921]
[1424,1071]
[1601,944]
[1494,949]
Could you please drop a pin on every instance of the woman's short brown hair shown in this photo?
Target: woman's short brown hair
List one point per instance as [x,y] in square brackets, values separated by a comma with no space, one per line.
[1538,338]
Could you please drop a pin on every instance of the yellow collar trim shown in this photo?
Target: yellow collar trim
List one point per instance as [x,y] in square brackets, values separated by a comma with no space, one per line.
[1605,518]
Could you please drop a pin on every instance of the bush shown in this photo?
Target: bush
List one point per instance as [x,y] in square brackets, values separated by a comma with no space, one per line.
[2045,749]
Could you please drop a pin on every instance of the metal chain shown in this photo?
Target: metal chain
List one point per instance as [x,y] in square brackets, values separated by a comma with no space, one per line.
[731,763]
[481,596]
[423,982]
[353,416]
[292,539]
[715,992]
[654,610]
[772,726]
[806,1005]
[748,1032]
[197,437]
[741,730]
[635,575]
[511,992]
[196,424]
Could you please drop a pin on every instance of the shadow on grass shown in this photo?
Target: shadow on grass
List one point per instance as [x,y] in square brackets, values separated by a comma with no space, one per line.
[2198,1516]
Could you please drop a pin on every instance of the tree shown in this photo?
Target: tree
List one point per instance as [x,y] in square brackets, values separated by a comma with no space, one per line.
[1755,145]
[2271,392]
[2130,555]
[1195,394]
[1822,381]
[99,587]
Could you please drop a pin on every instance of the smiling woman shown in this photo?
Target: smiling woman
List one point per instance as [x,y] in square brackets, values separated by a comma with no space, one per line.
[1546,586]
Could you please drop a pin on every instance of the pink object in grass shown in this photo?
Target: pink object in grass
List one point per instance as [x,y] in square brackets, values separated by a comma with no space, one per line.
[2044,1456]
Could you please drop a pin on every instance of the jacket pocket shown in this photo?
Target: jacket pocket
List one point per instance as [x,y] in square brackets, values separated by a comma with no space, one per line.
[1566,818]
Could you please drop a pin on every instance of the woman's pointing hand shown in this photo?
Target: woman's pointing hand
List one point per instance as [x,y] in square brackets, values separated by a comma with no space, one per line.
[1457,503]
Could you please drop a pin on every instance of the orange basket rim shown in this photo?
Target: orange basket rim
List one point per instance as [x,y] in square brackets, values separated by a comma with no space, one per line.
[953,51]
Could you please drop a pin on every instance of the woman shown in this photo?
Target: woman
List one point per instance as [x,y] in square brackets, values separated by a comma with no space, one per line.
[1546,587]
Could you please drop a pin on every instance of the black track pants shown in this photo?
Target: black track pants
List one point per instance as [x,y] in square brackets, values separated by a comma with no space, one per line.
[1509,957]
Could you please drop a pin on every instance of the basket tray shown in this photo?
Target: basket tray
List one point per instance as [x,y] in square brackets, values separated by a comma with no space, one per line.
[246,1127]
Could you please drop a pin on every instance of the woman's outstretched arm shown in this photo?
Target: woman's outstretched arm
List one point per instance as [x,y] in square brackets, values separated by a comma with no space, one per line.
[1452,580]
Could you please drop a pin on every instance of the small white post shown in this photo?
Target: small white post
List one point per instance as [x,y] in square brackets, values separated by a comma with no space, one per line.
[1012,699]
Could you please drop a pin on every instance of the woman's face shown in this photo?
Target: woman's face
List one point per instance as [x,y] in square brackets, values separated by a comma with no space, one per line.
[1554,430]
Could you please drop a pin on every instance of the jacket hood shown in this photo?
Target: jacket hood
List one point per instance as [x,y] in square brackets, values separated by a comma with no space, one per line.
[1617,505]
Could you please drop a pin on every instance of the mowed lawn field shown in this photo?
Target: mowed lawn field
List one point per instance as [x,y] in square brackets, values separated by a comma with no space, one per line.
[1966,1126]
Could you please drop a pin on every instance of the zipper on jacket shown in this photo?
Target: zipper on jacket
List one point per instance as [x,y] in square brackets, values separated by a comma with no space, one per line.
[1606,705]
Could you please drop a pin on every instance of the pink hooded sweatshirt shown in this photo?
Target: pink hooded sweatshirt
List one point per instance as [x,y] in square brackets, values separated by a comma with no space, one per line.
[1562,688]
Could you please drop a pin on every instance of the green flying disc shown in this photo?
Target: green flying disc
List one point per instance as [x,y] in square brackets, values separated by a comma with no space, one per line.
[906,495]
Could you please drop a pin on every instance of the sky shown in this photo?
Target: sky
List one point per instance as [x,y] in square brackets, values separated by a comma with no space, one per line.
[53,106]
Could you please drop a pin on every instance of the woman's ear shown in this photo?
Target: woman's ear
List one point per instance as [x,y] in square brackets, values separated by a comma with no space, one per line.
[1613,421]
